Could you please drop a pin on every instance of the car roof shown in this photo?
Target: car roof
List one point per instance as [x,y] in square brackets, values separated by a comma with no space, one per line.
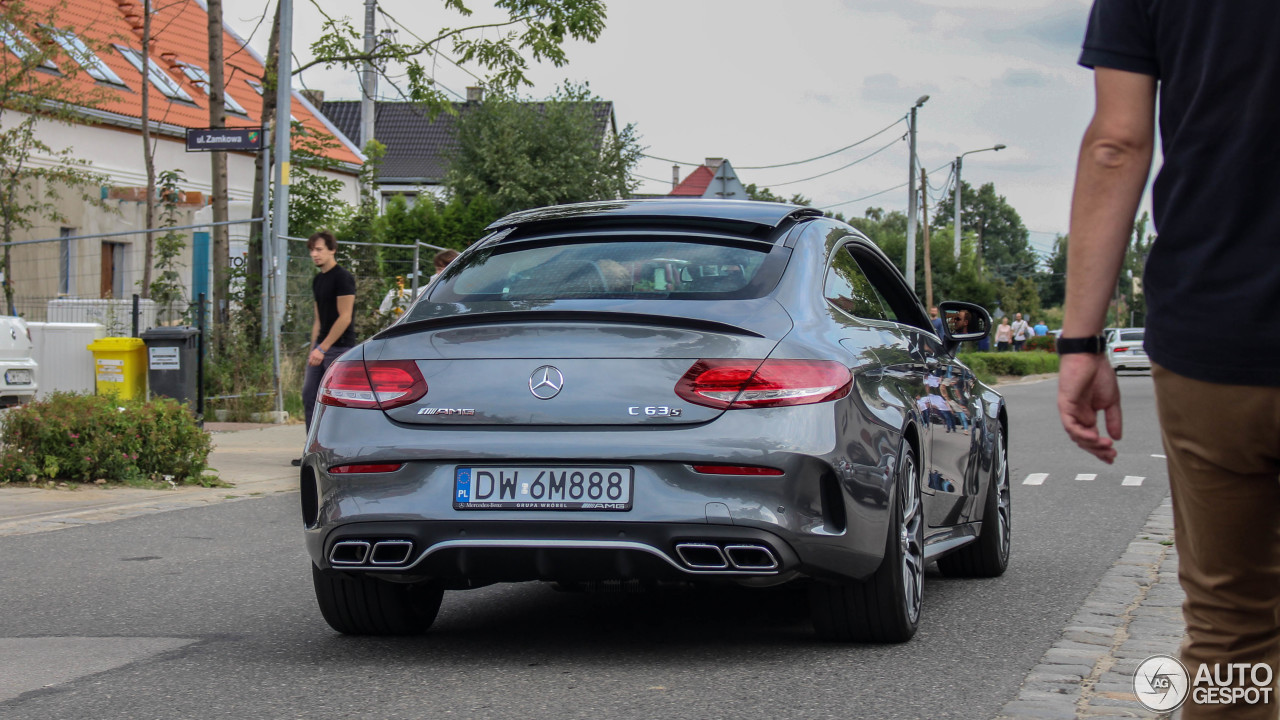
[761,214]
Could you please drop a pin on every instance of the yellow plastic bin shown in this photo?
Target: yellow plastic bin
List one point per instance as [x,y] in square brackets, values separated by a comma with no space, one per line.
[120,366]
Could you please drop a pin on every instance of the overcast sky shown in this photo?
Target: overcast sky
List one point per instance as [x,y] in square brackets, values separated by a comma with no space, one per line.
[770,82]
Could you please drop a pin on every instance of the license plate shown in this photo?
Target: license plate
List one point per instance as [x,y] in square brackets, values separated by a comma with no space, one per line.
[542,488]
[17,377]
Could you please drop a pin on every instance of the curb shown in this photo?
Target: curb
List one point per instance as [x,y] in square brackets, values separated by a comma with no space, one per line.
[1134,612]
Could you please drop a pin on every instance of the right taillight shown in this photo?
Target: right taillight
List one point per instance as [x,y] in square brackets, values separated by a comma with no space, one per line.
[1120,348]
[737,384]
[384,384]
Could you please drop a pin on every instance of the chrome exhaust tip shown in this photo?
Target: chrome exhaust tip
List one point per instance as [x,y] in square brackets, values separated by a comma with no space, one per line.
[751,557]
[702,556]
[390,552]
[349,552]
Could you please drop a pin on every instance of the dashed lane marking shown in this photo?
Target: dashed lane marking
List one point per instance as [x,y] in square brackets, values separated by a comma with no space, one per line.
[1132,480]
[1162,457]
[1086,476]
[1035,479]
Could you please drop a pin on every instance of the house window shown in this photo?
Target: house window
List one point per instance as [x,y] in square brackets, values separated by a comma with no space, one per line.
[66,263]
[78,51]
[21,46]
[158,77]
[200,77]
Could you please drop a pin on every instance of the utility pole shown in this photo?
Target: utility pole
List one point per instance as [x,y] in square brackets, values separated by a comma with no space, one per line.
[280,216]
[368,75]
[956,202]
[218,162]
[911,192]
[928,259]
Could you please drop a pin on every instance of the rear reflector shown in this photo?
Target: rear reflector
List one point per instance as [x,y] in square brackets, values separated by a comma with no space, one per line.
[368,468]
[737,384]
[382,384]
[735,470]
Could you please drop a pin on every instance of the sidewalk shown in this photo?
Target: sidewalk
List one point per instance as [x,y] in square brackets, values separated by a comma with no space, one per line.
[253,458]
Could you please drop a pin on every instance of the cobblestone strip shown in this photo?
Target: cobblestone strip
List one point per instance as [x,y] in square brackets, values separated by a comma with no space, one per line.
[1132,614]
[182,499]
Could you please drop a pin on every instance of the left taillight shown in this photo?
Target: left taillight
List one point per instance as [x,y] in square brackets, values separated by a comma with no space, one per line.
[384,384]
[737,384]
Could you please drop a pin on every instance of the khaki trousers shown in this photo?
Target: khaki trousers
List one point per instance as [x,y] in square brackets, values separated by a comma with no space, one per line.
[1223,448]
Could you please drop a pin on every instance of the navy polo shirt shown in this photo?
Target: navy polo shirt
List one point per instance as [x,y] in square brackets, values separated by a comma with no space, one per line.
[1212,281]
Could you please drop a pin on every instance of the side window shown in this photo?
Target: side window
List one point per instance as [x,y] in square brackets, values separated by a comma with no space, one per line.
[848,288]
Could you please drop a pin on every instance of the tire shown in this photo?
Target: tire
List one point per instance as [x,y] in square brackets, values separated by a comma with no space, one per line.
[362,605]
[884,608]
[988,556]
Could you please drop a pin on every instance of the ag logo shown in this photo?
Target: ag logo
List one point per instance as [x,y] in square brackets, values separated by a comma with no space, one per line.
[1161,683]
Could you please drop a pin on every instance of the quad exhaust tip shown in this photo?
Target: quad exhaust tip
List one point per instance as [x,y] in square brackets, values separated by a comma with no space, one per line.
[383,553]
[745,558]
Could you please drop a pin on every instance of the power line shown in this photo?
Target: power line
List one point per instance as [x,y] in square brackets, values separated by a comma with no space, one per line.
[843,167]
[787,164]
[826,155]
[874,194]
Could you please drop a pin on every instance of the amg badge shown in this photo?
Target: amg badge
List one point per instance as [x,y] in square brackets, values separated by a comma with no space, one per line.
[446,411]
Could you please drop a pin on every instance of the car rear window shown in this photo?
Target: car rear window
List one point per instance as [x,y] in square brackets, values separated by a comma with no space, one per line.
[639,269]
[1132,336]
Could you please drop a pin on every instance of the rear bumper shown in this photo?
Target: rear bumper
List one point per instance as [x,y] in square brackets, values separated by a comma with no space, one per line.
[17,393]
[1129,361]
[827,515]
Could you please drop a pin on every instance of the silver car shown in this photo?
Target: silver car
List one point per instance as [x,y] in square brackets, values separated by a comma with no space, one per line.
[648,392]
[1125,350]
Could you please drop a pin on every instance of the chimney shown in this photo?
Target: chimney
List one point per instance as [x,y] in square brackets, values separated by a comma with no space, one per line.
[315,97]
[714,163]
[475,94]
[675,177]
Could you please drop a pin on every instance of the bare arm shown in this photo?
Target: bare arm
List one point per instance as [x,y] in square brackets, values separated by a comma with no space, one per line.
[315,325]
[1115,159]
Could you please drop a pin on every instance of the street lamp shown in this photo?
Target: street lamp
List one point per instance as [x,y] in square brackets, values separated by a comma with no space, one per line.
[959,160]
[911,191]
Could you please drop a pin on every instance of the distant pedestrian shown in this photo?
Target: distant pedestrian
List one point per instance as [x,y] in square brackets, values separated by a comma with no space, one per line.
[1210,70]
[937,322]
[1041,328]
[1020,332]
[334,292]
[1004,334]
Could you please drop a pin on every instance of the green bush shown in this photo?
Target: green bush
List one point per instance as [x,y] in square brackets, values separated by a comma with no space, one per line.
[89,437]
[1010,363]
[1041,342]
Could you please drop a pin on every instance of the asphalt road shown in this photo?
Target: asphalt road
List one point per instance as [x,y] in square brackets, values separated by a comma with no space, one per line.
[209,612]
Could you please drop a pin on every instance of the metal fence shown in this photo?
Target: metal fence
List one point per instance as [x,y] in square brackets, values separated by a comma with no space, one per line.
[94,277]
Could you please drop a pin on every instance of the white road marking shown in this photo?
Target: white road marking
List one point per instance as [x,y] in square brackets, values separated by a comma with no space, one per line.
[1035,479]
[1086,476]
[1162,457]
[1132,480]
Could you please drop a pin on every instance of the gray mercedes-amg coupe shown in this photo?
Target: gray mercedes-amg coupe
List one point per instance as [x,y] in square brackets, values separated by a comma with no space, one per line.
[659,391]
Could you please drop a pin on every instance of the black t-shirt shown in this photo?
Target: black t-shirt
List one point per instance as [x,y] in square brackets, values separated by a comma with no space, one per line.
[1213,277]
[327,287]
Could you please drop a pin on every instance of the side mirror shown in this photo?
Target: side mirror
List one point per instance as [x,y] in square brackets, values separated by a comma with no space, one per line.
[963,322]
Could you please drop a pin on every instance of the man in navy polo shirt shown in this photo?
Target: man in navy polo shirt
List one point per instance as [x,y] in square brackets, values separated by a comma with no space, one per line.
[1214,267]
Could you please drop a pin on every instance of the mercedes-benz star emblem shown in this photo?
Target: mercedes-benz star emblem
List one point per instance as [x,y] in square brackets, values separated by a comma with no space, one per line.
[545,382]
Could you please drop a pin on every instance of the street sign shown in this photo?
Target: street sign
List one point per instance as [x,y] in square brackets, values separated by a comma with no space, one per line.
[211,139]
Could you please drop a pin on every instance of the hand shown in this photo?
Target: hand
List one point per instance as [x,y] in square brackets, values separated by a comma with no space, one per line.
[1087,384]
[316,357]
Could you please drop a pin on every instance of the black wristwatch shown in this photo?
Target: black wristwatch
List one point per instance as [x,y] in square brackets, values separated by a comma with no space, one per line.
[1094,345]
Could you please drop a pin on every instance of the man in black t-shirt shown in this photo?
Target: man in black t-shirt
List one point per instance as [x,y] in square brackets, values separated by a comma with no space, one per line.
[1213,273]
[334,289]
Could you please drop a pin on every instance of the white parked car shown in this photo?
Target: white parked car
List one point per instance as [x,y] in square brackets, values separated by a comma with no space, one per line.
[17,367]
[1125,351]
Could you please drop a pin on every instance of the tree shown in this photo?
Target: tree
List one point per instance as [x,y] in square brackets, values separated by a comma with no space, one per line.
[1003,243]
[31,94]
[538,28]
[1053,288]
[523,154]
[767,195]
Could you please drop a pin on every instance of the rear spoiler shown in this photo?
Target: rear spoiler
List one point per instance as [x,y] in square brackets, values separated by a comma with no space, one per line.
[563,316]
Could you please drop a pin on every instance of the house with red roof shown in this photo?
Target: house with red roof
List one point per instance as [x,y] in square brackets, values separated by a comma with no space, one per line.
[715,179]
[103,37]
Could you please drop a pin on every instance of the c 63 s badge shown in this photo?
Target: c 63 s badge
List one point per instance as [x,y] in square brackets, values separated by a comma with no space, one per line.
[446,411]
[654,411]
